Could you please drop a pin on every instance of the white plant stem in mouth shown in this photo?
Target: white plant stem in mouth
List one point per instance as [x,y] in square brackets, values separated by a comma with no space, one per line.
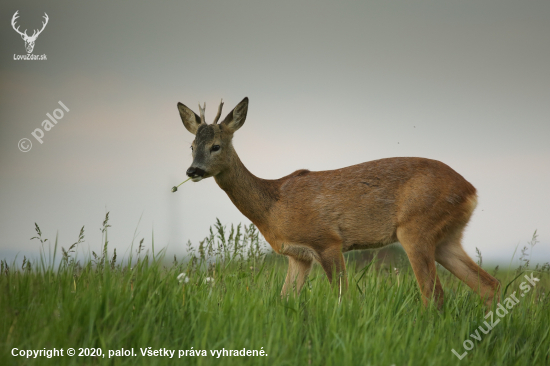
[175,188]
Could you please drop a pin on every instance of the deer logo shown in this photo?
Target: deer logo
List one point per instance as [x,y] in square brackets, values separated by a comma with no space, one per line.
[29,40]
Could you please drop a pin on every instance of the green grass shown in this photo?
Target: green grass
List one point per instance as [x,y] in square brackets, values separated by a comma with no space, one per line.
[99,302]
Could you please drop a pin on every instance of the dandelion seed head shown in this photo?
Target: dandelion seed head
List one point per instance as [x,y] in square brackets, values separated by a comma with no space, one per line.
[182,278]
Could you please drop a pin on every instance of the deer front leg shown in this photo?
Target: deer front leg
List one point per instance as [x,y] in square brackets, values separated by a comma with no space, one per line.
[332,261]
[298,269]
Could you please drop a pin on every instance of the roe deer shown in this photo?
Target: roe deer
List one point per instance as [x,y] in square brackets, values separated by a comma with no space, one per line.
[307,216]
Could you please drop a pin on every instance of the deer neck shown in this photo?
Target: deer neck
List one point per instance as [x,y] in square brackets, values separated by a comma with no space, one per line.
[253,196]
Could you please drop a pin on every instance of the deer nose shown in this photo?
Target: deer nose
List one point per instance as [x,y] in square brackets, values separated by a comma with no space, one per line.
[195,172]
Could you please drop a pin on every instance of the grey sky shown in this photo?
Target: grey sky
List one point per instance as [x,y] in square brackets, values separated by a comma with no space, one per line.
[331,84]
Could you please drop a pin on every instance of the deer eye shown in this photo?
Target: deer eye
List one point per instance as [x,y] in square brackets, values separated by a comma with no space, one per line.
[191,147]
[215,147]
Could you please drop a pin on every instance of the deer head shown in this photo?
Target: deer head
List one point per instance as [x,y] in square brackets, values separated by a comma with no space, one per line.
[29,40]
[212,147]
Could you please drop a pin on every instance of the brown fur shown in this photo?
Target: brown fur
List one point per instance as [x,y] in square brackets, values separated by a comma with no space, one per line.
[316,216]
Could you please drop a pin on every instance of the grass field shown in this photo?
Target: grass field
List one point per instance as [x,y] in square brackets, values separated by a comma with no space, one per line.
[227,298]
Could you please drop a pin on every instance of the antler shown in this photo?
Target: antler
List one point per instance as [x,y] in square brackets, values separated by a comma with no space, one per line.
[219,112]
[43,26]
[203,120]
[15,16]
[202,110]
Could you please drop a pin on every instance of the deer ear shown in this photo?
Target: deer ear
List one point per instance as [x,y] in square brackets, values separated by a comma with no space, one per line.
[190,120]
[235,119]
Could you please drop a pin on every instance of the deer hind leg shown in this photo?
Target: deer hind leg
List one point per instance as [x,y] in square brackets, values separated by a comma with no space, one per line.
[422,257]
[450,254]
[332,261]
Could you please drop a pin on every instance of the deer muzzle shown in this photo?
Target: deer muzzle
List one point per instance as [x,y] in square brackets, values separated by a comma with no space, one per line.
[195,174]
